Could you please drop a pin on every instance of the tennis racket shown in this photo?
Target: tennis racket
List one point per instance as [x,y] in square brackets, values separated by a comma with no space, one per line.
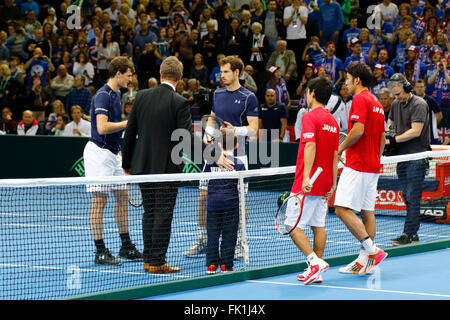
[211,125]
[342,136]
[292,202]
[134,195]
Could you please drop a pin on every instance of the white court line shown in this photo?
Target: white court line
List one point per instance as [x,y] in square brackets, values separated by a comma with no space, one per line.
[89,270]
[355,289]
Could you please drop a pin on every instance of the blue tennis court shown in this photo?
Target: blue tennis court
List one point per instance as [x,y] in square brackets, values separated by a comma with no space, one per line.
[422,276]
[51,254]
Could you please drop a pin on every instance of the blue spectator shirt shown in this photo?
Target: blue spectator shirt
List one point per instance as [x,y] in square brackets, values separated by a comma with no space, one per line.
[271,118]
[107,102]
[40,68]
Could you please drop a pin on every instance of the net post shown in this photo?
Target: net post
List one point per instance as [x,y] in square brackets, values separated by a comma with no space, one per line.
[242,218]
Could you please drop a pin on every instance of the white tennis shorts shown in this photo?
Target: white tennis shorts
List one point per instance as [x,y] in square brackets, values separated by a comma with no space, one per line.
[314,213]
[100,162]
[203,184]
[356,190]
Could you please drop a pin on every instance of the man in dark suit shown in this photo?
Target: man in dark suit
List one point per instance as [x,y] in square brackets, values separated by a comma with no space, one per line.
[156,114]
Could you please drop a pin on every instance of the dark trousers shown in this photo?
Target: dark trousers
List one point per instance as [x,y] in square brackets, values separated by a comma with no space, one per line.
[412,176]
[158,200]
[225,224]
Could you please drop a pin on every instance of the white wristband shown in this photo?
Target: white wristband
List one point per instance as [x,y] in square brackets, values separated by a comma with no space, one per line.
[241,131]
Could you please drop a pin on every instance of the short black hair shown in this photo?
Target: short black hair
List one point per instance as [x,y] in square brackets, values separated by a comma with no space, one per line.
[363,72]
[322,88]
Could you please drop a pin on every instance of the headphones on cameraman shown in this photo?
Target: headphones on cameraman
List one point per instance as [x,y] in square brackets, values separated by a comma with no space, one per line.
[398,77]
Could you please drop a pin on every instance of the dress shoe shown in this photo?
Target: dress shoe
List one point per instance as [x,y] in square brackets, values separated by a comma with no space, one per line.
[165,268]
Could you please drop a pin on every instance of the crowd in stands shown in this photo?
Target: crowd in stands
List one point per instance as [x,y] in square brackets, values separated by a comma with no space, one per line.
[50,70]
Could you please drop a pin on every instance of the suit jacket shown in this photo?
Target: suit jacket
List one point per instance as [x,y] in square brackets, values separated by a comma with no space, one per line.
[147,144]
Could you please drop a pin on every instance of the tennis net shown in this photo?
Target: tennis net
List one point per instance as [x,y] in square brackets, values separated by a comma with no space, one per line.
[48,251]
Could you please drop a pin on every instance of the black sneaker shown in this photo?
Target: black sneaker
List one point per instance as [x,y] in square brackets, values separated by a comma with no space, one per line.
[404,239]
[131,253]
[104,257]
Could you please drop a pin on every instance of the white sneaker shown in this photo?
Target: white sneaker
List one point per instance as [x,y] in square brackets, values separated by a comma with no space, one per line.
[302,276]
[197,248]
[356,265]
[315,271]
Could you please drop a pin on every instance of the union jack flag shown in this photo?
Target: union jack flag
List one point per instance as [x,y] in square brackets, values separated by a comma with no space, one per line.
[444,134]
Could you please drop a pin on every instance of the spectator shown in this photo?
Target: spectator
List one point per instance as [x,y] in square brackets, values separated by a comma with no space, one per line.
[107,51]
[38,98]
[28,126]
[386,98]
[10,87]
[338,108]
[83,67]
[61,122]
[162,46]
[16,69]
[331,21]
[184,47]
[357,55]
[383,57]
[333,66]
[152,83]
[38,65]
[278,84]
[58,108]
[352,32]
[247,80]
[309,72]
[257,11]
[400,49]
[145,65]
[272,22]
[199,106]
[434,110]
[388,10]
[31,23]
[17,41]
[199,71]
[7,124]
[144,35]
[439,86]
[272,117]
[286,61]
[313,53]
[211,46]
[132,89]
[4,50]
[78,127]
[61,84]
[378,73]
[295,18]
[205,16]
[126,109]
[419,68]
[214,78]
[79,95]
[9,12]
[259,48]
[235,41]
[28,5]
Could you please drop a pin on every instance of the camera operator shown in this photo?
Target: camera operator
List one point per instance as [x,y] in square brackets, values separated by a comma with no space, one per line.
[411,121]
